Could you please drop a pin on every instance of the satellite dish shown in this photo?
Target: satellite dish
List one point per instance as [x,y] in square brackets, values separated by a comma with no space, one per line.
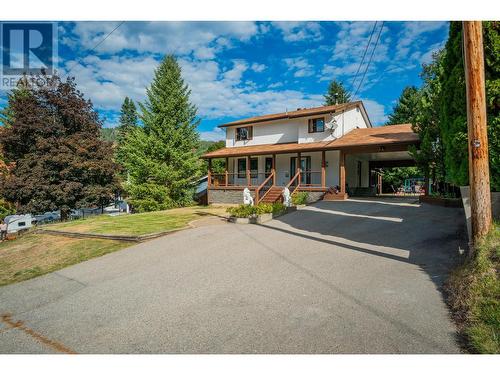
[332,125]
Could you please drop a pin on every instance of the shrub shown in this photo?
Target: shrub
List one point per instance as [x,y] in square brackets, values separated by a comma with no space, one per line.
[300,198]
[6,209]
[278,208]
[474,295]
[243,211]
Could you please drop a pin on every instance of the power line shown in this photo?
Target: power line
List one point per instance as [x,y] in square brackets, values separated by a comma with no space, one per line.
[369,61]
[97,45]
[364,54]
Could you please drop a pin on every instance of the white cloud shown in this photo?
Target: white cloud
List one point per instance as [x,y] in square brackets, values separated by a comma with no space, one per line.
[107,81]
[425,57]
[353,38]
[351,43]
[216,134]
[413,35]
[376,111]
[258,68]
[235,74]
[299,31]
[275,85]
[125,63]
[181,38]
[219,93]
[299,66]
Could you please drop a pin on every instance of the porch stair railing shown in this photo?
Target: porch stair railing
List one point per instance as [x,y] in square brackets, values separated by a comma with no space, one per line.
[294,179]
[262,188]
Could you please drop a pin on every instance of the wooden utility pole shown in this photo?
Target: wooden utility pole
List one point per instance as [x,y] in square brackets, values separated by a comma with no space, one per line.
[479,176]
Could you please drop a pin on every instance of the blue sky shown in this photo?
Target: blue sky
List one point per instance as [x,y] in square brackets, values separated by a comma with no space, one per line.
[240,69]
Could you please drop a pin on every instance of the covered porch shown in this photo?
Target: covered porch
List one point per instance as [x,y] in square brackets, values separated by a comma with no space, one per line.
[325,169]
[302,171]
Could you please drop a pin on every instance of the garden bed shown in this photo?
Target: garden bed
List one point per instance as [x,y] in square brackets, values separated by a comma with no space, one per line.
[259,214]
[260,218]
[441,201]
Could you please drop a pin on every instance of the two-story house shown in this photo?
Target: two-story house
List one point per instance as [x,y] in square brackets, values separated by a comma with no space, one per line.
[327,151]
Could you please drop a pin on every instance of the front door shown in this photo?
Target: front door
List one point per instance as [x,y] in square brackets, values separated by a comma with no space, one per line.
[268,166]
[305,167]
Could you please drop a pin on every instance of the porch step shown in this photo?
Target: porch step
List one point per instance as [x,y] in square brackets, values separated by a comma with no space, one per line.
[273,195]
[330,195]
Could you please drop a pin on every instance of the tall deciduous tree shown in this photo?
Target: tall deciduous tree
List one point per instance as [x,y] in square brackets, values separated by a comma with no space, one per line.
[128,117]
[53,135]
[405,109]
[337,94]
[161,156]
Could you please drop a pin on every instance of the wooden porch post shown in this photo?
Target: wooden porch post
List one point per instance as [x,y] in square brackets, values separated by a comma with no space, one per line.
[342,171]
[273,169]
[249,181]
[227,170]
[323,169]
[379,184]
[299,156]
[209,174]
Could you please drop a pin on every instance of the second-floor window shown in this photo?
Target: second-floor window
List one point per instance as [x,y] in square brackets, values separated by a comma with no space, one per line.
[244,134]
[317,125]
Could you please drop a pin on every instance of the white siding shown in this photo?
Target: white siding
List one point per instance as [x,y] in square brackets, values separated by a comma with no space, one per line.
[352,171]
[297,130]
[346,121]
[283,131]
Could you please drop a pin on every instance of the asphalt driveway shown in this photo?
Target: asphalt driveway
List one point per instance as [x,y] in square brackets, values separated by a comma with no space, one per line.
[360,276]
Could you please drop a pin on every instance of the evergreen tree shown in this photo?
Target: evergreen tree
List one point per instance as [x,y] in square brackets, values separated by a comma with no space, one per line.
[429,156]
[161,157]
[453,109]
[128,117]
[336,94]
[404,111]
[53,135]
[453,113]
[218,165]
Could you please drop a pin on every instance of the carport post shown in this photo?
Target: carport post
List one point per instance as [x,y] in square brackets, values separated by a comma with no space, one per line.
[323,169]
[342,171]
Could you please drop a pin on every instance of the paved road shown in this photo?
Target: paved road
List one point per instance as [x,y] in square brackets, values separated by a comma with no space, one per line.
[337,277]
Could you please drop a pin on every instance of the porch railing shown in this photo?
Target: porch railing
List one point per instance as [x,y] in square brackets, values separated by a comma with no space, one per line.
[264,188]
[234,179]
[312,179]
[294,183]
[307,179]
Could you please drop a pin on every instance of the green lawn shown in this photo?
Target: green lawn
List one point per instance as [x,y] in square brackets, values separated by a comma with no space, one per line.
[36,254]
[138,224]
[474,295]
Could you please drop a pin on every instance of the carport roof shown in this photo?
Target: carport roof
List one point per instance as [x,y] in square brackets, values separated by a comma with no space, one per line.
[381,136]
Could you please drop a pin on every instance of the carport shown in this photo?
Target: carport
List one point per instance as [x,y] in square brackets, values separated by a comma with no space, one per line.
[360,158]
